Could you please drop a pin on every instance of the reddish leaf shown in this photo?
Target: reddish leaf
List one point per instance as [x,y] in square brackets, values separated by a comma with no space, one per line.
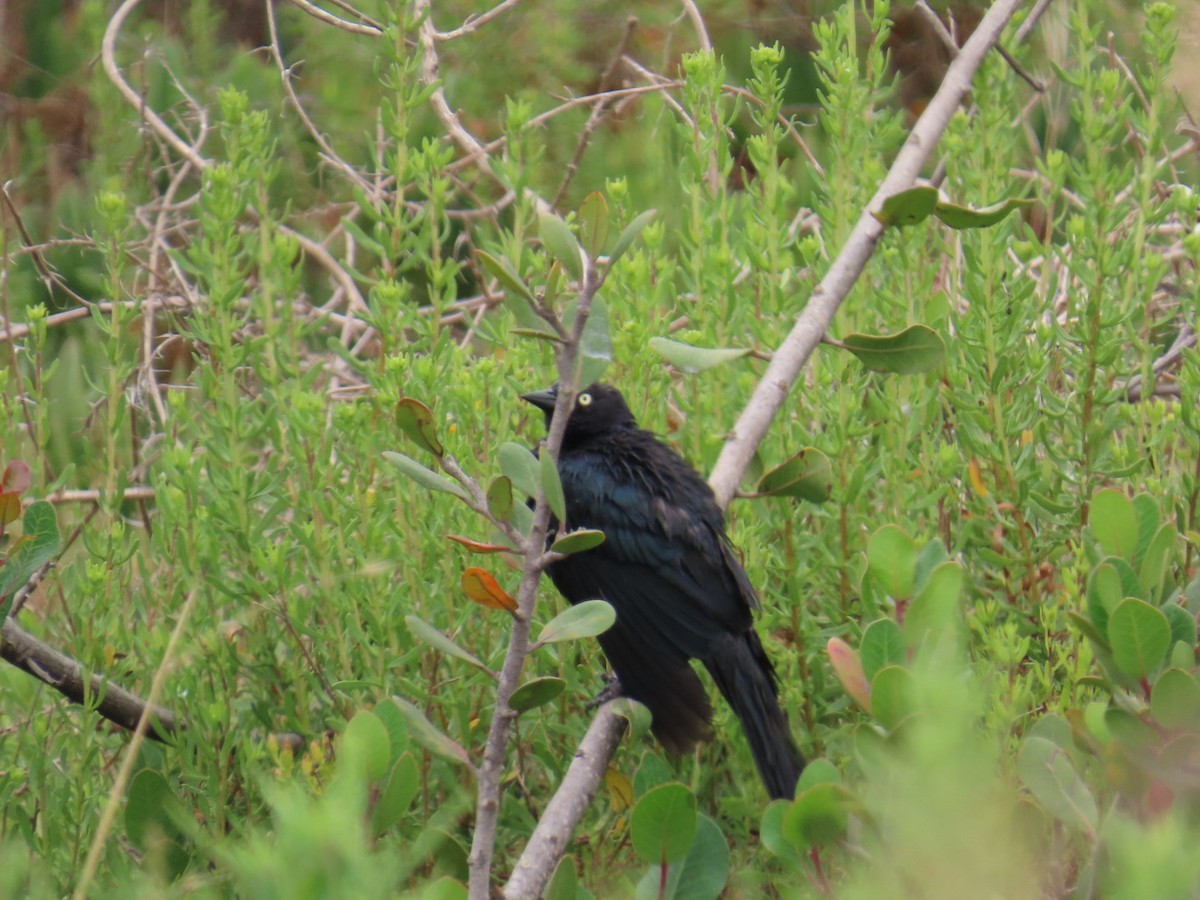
[848,668]
[481,587]
[16,478]
[477,547]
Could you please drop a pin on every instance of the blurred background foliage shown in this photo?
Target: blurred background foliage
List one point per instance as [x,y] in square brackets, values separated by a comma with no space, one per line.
[176,327]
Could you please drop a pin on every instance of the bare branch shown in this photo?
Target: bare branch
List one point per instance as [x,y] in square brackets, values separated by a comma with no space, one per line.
[817,315]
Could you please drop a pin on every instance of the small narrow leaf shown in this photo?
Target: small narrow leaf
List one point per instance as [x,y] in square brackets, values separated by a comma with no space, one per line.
[578,541]
[518,298]
[807,475]
[435,638]
[583,620]
[593,223]
[521,467]
[629,235]
[428,736]
[552,487]
[561,243]
[478,546]
[687,358]
[916,349]
[960,217]
[481,587]
[535,693]
[416,420]
[426,478]
[908,207]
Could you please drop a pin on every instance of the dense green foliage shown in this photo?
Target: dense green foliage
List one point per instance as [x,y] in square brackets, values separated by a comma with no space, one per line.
[1009,705]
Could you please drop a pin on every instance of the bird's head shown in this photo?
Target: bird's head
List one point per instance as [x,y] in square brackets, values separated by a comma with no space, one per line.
[599,408]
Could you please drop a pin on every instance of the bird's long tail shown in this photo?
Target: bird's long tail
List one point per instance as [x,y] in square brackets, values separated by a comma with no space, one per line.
[744,674]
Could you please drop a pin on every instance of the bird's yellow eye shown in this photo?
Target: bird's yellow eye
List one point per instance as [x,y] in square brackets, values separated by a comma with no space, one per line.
[584,400]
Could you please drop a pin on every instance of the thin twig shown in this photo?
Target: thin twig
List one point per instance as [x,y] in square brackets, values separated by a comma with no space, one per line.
[474,22]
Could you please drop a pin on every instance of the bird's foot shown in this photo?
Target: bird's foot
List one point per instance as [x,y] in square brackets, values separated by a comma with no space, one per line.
[611,691]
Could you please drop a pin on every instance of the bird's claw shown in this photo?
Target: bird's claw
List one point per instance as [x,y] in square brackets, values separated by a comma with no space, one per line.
[611,691]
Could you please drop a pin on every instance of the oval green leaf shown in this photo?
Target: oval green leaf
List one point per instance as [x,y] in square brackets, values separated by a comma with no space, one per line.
[593,223]
[535,693]
[500,497]
[891,696]
[584,620]
[521,467]
[1114,523]
[935,609]
[1140,637]
[882,645]
[892,560]
[687,358]
[916,349]
[807,474]
[818,817]
[578,541]
[416,420]
[365,740]
[1175,700]
[552,487]
[403,785]
[560,243]
[1048,772]
[663,824]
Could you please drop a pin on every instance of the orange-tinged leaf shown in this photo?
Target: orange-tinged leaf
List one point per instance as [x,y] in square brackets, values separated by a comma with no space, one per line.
[620,789]
[848,668]
[479,547]
[481,587]
[976,476]
[416,420]
[16,478]
[10,509]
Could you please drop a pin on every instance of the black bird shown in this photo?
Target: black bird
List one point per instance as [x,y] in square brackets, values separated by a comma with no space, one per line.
[669,570]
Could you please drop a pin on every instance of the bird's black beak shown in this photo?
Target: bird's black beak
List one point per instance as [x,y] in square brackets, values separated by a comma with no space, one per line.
[543,400]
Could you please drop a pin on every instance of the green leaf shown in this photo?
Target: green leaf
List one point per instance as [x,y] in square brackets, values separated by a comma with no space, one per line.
[807,474]
[426,478]
[687,358]
[702,873]
[773,838]
[560,242]
[435,638]
[36,547]
[908,207]
[552,487]
[595,344]
[935,609]
[593,224]
[1156,561]
[892,560]
[564,884]
[960,217]
[1113,523]
[1104,592]
[152,814]
[1047,770]
[891,696]
[916,349]
[518,298]
[626,238]
[818,817]
[1183,625]
[402,786]
[416,420]
[583,620]
[500,496]
[636,714]
[1140,637]
[1175,700]
[536,692]
[577,541]
[365,739]
[818,771]
[663,824]
[882,645]
[425,733]
[521,466]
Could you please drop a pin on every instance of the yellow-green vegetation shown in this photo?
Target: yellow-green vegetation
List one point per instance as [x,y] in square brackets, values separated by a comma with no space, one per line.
[272,285]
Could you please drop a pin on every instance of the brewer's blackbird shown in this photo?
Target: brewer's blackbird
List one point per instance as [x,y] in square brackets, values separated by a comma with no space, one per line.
[669,570]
